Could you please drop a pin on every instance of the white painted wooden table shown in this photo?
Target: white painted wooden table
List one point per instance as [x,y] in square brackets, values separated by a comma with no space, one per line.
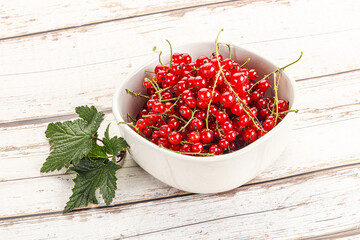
[56,55]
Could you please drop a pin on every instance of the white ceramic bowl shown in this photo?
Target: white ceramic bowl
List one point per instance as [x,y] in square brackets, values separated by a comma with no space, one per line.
[203,174]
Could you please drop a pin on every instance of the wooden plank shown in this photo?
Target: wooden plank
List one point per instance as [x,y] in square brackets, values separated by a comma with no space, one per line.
[326,146]
[302,206]
[20,18]
[50,93]
[26,145]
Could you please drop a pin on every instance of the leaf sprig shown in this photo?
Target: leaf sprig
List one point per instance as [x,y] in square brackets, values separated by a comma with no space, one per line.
[74,145]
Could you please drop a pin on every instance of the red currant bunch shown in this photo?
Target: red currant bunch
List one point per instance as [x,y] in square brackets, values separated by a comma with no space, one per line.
[207,106]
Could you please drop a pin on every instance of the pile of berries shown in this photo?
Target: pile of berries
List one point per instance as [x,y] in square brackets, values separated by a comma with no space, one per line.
[207,107]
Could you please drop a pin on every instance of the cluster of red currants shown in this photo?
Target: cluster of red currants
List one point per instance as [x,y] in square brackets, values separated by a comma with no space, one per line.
[207,107]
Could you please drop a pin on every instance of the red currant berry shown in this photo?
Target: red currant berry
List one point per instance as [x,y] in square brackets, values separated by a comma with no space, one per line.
[202,104]
[249,135]
[186,148]
[199,82]
[204,94]
[221,116]
[196,124]
[177,58]
[223,143]
[255,96]
[185,111]
[283,105]
[215,149]
[227,99]
[200,114]
[194,137]
[253,74]
[164,130]
[213,110]
[263,85]
[197,147]
[190,102]
[207,70]
[141,123]
[237,109]
[268,124]
[174,138]
[163,142]
[181,85]
[173,123]
[227,126]
[186,58]
[206,136]
[201,61]
[158,108]
[238,79]
[230,135]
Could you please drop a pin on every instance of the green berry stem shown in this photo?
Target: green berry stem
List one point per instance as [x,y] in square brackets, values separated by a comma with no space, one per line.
[131,118]
[192,117]
[171,60]
[276,99]
[132,125]
[190,153]
[136,94]
[228,45]
[248,60]
[246,108]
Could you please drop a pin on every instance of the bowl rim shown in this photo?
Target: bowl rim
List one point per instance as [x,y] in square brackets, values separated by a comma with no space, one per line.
[216,158]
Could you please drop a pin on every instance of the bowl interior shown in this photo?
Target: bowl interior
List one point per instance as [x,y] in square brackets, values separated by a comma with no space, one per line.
[129,104]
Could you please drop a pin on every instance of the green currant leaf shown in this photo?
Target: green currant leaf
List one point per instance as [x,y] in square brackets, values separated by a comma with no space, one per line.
[71,140]
[97,152]
[91,116]
[113,145]
[92,175]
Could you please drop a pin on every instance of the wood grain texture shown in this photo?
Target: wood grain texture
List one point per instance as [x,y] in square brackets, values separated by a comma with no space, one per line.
[69,65]
[56,55]
[310,149]
[52,93]
[302,206]
[21,18]
[27,146]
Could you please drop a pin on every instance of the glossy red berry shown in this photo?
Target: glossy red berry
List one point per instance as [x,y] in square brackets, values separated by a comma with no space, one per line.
[141,123]
[174,138]
[204,94]
[197,147]
[206,136]
[194,137]
[185,111]
[253,74]
[268,124]
[215,149]
[230,135]
[227,126]
[207,70]
[223,143]
[163,142]
[164,130]
[249,135]
[227,99]
[173,123]
[201,61]
[221,116]
[263,85]
[196,124]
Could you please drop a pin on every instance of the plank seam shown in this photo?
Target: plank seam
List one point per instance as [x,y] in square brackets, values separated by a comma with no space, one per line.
[118,19]
[64,117]
[180,195]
